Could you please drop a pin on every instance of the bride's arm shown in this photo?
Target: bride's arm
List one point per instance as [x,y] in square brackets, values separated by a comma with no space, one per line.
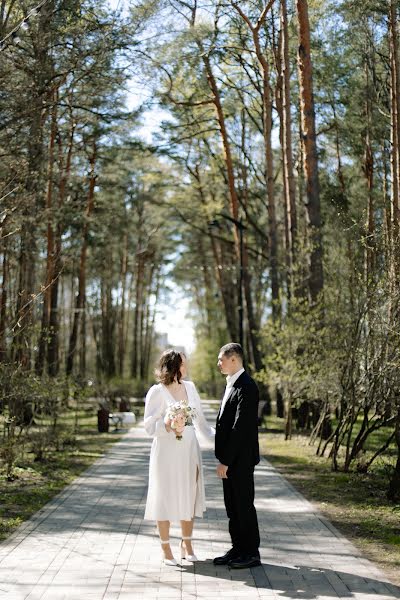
[200,422]
[154,412]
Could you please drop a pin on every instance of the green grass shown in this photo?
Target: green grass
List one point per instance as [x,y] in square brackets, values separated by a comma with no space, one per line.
[355,503]
[36,483]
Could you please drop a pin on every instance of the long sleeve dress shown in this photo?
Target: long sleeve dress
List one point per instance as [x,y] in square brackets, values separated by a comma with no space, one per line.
[176,482]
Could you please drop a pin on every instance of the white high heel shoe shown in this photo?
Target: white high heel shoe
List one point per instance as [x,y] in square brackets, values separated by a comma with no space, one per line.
[185,554]
[170,562]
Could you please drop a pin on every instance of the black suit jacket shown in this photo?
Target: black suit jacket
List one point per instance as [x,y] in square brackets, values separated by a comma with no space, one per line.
[236,433]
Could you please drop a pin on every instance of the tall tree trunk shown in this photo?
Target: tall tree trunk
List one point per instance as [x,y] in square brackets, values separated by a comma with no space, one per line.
[221,258]
[208,300]
[3,298]
[122,316]
[146,317]
[135,369]
[147,335]
[253,327]
[340,173]
[6,13]
[81,296]
[28,244]
[208,287]
[139,283]
[395,114]
[310,151]
[287,275]
[151,324]
[234,202]
[53,358]
[28,249]
[394,231]
[386,203]
[394,484]
[107,328]
[287,151]
[246,274]
[269,176]
[268,154]
[228,294]
[50,245]
[370,225]
[82,335]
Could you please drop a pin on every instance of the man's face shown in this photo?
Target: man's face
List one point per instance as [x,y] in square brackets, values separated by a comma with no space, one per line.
[226,364]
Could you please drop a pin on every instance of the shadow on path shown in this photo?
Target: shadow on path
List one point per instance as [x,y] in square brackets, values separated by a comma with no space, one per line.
[299,581]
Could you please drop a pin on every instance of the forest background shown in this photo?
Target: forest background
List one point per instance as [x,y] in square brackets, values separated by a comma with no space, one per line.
[269,194]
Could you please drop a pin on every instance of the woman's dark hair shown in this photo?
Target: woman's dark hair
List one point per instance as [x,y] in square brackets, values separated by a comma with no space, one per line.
[169,367]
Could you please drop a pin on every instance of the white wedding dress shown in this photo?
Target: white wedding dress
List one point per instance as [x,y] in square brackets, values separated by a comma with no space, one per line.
[176,483]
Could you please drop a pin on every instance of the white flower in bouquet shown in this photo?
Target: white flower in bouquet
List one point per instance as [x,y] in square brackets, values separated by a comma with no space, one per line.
[180,414]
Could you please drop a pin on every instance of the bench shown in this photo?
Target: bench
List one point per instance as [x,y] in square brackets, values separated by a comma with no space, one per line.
[122,419]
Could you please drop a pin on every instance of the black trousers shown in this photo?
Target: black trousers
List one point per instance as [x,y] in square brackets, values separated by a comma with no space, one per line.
[239,503]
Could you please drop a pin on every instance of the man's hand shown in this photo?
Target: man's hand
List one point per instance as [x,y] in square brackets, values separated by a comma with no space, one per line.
[222,471]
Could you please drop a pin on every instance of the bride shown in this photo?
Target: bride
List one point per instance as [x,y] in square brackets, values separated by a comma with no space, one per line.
[176,484]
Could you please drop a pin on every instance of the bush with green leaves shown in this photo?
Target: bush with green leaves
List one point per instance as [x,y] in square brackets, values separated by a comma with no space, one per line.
[30,416]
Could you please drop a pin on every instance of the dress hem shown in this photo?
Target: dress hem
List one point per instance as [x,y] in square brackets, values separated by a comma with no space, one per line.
[173,519]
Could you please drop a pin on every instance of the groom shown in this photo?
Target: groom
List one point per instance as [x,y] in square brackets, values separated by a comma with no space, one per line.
[236,448]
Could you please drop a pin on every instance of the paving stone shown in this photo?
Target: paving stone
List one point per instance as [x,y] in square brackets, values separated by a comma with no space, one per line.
[91,543]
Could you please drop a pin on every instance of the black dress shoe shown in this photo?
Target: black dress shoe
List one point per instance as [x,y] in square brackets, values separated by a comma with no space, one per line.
[244,562]
[224,560]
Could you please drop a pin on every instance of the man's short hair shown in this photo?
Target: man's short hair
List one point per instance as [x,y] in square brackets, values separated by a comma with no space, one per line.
[231,349]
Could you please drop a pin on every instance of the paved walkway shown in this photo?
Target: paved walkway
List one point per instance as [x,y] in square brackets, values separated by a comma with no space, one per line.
[90,543]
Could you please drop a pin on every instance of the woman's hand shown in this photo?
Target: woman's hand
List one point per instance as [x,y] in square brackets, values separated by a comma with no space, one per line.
[179,423]
[167,423]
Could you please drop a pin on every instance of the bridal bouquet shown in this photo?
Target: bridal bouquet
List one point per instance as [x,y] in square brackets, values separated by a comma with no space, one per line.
[180,414]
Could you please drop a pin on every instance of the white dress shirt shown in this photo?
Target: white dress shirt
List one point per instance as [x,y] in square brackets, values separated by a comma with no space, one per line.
[230,380]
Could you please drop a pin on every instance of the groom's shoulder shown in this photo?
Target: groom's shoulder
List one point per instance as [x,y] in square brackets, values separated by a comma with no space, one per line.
[246,380]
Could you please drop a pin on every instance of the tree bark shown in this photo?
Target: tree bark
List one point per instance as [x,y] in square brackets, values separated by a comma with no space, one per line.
[287,151]
[227,290]
[268,154]
[139,283]
[228,294]
[107,328]
[53,359]
[3,300]
[394,228]
[81,296]
[151,324]
[234,202]
[50,246]
[145,318]
[394,485]
[253,328]
[313,208]
[122,316]
[395,117]
[370,226]
[28,249]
